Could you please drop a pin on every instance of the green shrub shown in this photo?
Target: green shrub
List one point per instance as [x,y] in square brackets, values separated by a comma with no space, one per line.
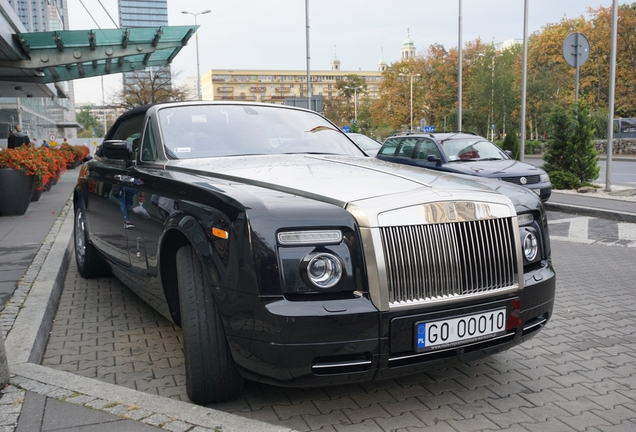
[511,142]
[533,147]
[564,180]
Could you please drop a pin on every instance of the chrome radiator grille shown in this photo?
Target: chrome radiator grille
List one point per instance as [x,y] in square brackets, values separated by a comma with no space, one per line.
[437,261]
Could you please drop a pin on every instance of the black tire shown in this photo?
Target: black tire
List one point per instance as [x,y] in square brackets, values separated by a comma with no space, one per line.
[89,263]
[211,374]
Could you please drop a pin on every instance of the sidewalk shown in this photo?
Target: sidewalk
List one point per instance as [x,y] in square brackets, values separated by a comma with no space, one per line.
[35,250]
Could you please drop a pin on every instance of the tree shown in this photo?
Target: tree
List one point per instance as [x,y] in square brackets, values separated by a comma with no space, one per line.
[511,142]
[570,148]
[393,106]
[341,109]
[584,157]
[149,86]
[88,123]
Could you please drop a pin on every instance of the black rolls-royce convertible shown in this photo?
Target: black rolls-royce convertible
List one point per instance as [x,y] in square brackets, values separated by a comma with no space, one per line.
[288,256]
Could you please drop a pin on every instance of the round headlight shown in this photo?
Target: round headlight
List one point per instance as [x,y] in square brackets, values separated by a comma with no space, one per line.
[324,270]
[530,246]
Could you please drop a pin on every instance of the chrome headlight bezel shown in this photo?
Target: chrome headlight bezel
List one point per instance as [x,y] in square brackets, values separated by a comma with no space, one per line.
[530,246]
[304,254]
[322,270]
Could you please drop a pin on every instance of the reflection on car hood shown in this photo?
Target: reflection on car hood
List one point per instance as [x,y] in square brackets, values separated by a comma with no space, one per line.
[496,168]
[342,179]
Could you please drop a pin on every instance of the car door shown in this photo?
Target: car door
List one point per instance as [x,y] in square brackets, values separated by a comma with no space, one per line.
[104,211]
[152,205]
[111,201]
[423,150]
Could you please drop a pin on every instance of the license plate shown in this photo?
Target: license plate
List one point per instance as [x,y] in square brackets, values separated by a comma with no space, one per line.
[451,332]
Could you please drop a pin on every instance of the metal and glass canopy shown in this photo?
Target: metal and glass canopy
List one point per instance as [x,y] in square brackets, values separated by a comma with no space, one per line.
[48,57]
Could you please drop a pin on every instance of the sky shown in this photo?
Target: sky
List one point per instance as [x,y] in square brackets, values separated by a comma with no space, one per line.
[271,34]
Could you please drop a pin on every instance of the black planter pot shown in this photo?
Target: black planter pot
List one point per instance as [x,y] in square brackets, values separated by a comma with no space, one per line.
[37,193]
[16,191]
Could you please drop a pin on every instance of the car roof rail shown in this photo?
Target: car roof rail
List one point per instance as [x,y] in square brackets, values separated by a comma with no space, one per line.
[460,131]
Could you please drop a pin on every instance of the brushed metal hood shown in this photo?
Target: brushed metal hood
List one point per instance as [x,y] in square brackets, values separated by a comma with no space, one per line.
[339,180]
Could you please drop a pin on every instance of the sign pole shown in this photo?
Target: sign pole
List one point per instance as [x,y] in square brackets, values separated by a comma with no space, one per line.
[610,108]
[576,62]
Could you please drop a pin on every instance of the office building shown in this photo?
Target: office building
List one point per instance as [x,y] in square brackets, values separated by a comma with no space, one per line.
[40,117]
[274,86]
[144,13]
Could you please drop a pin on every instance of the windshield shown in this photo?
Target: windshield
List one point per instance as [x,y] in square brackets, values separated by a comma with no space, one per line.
[471,150]
[196,131]
[365,142]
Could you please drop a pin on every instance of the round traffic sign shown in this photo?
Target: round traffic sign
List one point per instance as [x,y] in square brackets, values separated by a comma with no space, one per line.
[52,137]
[576,49]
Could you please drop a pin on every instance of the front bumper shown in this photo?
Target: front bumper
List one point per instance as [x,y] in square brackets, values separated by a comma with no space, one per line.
[543,190]
[343,341]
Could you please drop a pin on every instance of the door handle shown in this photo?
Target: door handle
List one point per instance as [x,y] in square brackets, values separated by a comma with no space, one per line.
[125,178]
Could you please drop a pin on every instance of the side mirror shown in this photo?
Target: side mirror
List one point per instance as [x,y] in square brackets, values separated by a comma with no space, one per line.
[436,159]
[509,153]
[117,150]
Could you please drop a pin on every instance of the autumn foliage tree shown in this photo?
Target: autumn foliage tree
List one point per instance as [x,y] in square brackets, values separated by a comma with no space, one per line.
[341,108]
[492,80]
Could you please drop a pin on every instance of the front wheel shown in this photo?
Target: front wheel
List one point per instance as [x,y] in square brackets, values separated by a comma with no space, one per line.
[211,374]
[89,263]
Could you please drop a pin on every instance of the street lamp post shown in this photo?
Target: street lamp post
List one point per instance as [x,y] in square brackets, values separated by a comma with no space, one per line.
[411,76]
[197,45]
[459,70]
[355,101]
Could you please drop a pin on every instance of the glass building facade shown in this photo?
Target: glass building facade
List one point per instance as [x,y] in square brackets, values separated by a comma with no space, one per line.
[40,117]
[144,13]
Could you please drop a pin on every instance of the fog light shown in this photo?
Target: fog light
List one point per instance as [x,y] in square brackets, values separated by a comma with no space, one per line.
[530,246]
[324,270]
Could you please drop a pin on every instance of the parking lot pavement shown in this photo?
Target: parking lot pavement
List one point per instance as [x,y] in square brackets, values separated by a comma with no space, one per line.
[578,374]
[591,230]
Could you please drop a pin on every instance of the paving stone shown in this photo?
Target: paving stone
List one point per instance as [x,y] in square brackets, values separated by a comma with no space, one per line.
[285,412]
[433,417]
[326,406]
[365,426]
[402,393]
[156,419]
[470,410]
[296,423]
[401,421]
[433,402]
[334,418]
[364,413]
[551,425]
[177,426]
[511,418]
[266,414]
[400,407]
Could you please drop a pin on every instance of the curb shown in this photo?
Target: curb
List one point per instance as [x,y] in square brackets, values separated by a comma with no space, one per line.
[593,212]
[27,320]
